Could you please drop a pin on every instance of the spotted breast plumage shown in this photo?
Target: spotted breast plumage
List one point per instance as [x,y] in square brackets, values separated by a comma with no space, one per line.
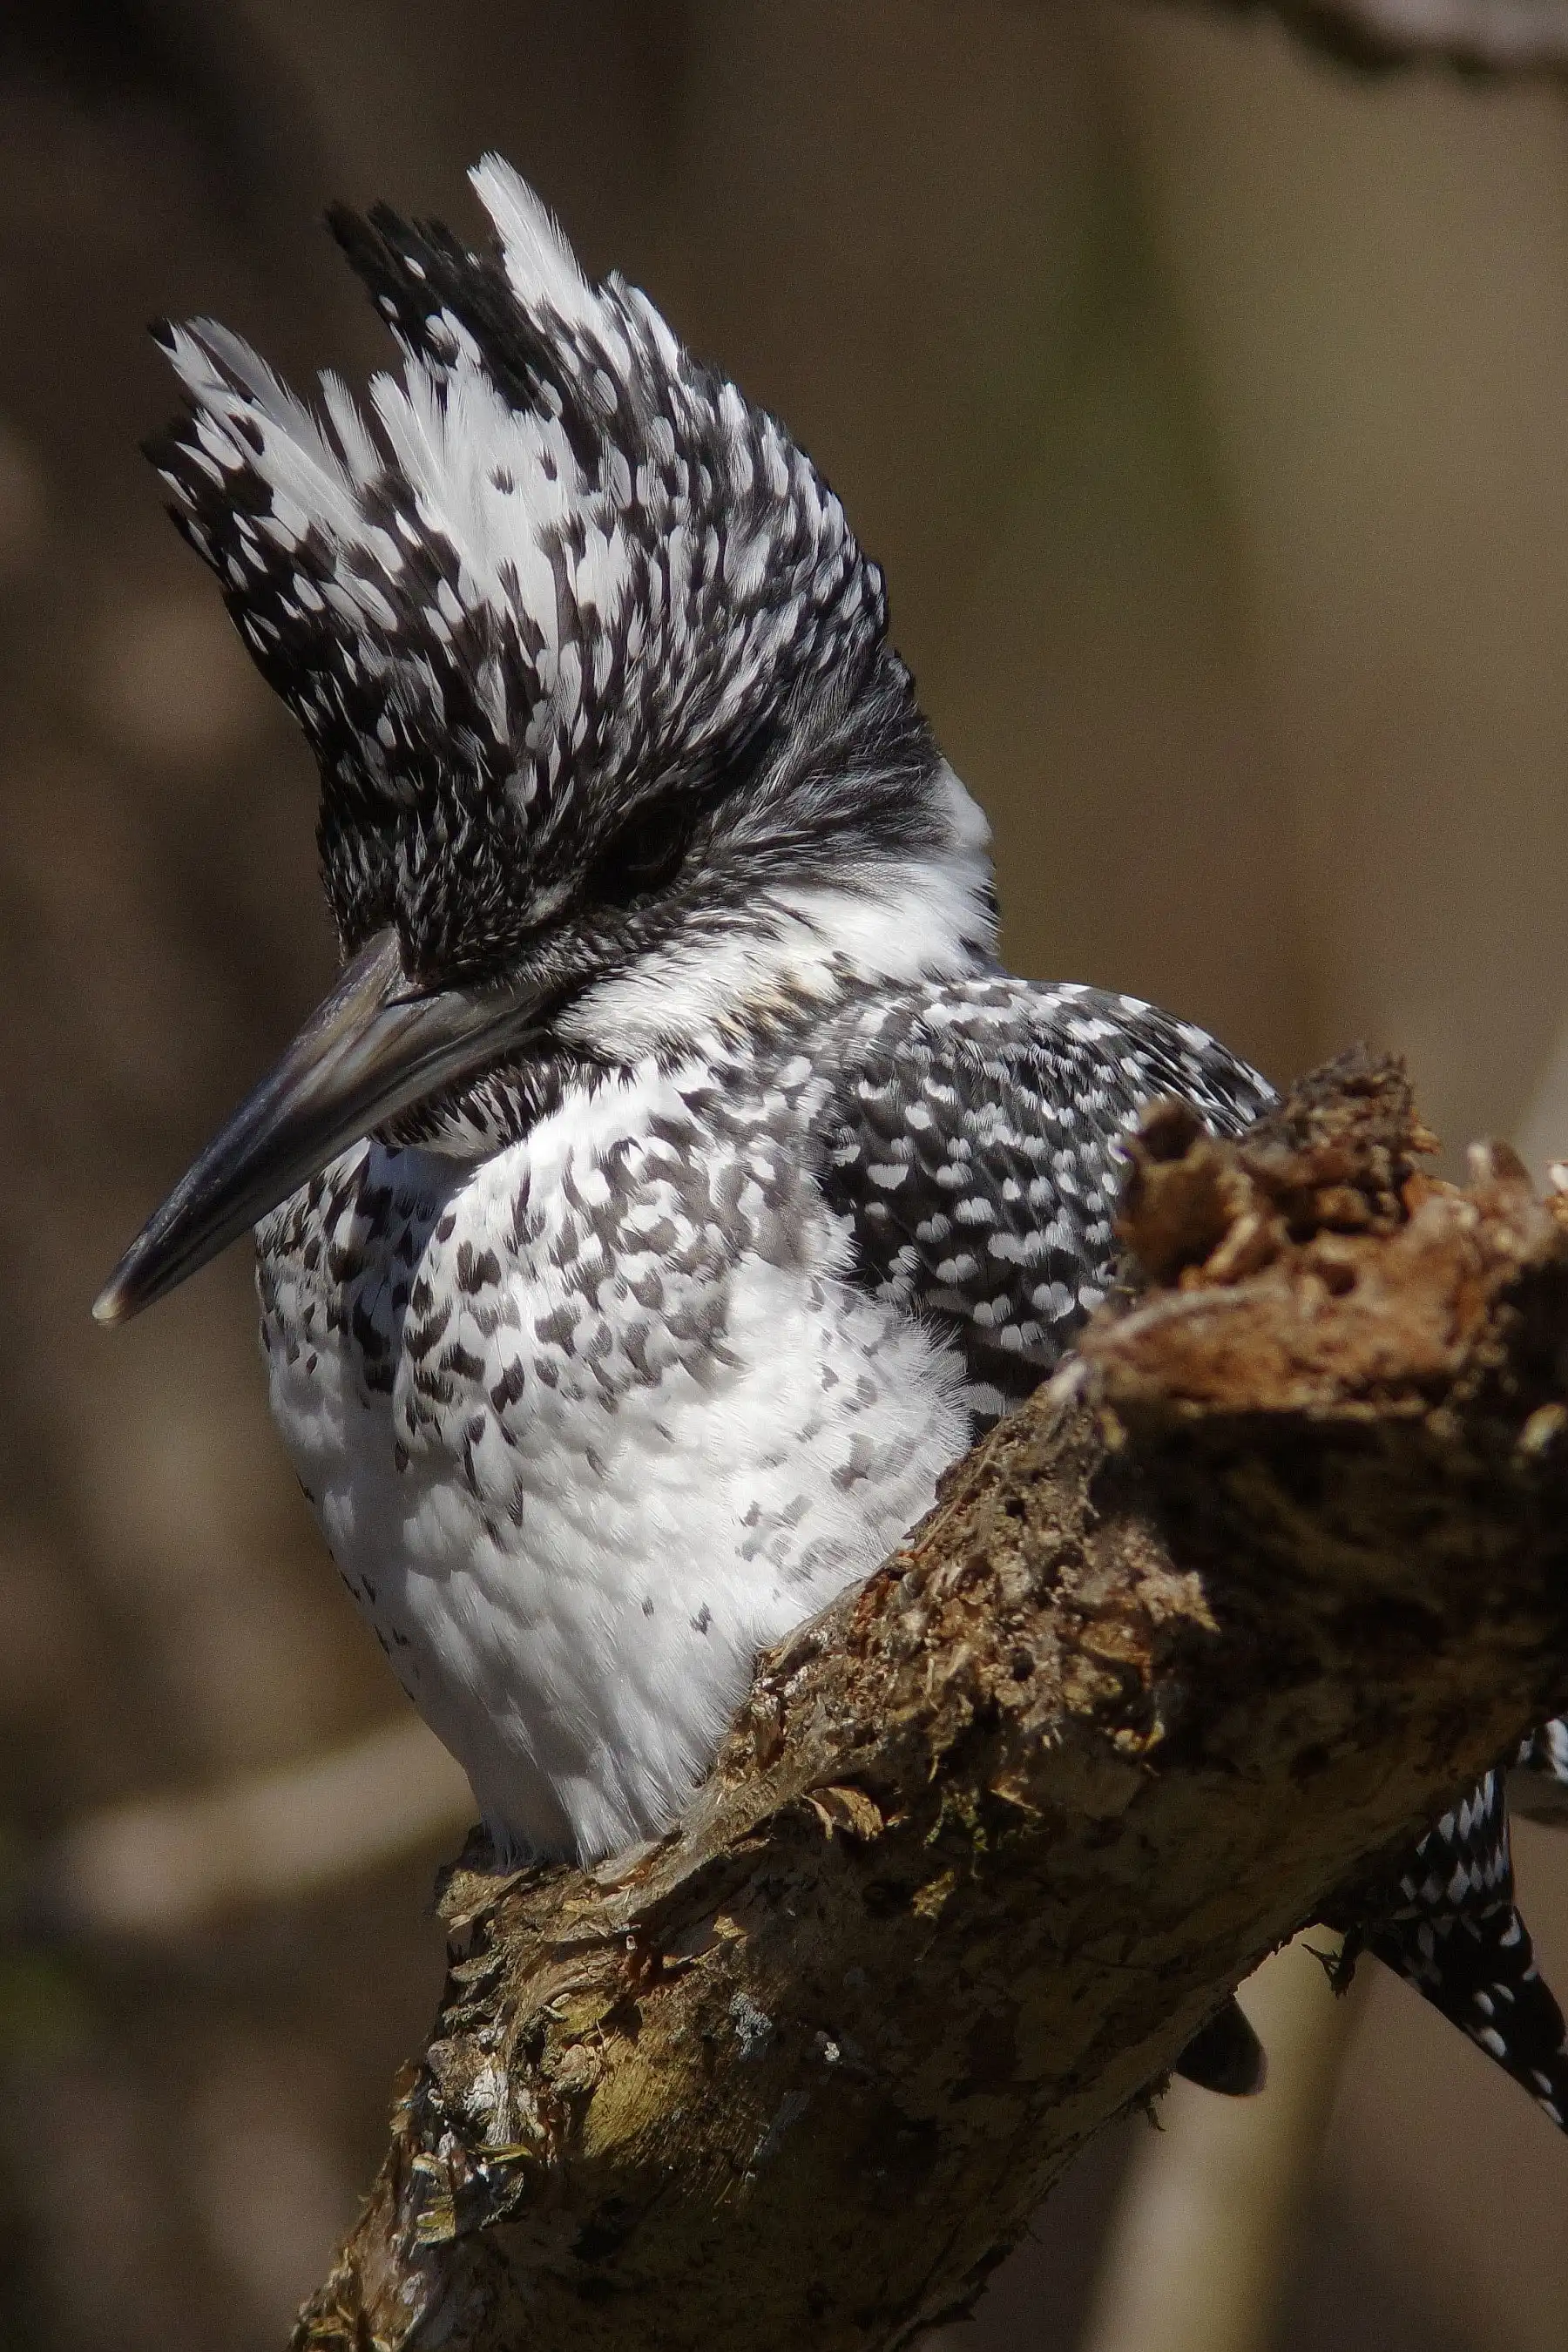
[674,1182]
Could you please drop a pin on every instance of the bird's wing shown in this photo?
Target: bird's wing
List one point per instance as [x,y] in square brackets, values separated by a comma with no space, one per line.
[973,1137]
[972,1140]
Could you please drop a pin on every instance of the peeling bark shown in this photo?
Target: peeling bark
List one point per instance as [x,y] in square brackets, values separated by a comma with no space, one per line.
[1222,1618]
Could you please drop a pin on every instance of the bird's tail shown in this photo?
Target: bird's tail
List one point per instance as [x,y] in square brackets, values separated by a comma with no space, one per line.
[1455,1934]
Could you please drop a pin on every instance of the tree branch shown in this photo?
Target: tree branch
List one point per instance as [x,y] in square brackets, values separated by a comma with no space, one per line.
[1494,36]
[1230,1611]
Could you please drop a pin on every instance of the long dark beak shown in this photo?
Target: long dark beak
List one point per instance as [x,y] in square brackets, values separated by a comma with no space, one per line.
[375,1047]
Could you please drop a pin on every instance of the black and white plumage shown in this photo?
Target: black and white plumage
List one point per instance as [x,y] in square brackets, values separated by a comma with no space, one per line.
[675,1183]
[1450,1925]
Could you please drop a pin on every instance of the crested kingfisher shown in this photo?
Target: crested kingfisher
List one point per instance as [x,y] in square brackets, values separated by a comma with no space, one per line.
[674,1182]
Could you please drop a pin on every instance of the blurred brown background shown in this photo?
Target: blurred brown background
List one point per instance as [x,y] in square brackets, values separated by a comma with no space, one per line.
[1208,408]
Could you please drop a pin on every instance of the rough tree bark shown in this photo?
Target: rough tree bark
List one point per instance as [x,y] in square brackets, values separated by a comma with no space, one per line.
[1488,36]
[1237,1604]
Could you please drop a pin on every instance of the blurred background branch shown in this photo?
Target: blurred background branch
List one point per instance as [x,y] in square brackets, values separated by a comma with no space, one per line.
[1485,36]
[161,1867]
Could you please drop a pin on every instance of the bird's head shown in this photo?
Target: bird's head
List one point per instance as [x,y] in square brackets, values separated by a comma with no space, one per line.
[615,758]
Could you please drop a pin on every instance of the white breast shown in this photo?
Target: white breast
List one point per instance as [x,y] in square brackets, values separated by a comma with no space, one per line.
[589,1423]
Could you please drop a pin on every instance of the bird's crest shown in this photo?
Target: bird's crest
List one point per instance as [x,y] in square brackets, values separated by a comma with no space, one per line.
[553,560]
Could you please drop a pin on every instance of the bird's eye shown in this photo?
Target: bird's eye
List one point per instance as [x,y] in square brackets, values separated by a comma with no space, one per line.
[644,855]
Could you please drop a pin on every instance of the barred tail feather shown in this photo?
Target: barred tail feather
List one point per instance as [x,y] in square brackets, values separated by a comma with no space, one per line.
[1455,1933]
[1480,1974]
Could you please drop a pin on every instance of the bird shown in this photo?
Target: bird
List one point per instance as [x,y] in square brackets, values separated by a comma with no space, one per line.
[674,1182]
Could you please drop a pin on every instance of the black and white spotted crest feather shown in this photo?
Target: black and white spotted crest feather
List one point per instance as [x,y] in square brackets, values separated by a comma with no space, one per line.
[553,567]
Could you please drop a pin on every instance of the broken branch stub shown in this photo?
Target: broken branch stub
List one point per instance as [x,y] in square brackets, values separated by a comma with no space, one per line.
[1191,1644]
